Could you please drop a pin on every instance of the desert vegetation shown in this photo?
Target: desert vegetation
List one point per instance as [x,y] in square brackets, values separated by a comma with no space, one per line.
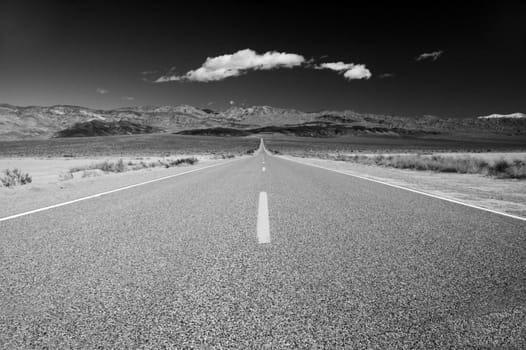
[120,165]
[251,151]
[15,177]
[273,151]
[501,168]
[224,156]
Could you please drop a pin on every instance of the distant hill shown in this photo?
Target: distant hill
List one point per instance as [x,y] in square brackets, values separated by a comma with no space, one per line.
[46,122]
[106,128]
[216,132]
[311,129]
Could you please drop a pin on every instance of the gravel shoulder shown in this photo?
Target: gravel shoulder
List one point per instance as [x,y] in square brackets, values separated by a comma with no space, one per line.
[505,195]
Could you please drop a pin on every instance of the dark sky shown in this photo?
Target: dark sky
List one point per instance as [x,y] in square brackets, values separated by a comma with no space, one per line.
[61,52]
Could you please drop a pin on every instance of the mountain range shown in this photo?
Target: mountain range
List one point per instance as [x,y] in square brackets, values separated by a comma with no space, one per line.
[65,121]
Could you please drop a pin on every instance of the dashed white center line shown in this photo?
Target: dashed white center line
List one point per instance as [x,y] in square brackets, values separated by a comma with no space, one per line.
[263,228]
[263,169]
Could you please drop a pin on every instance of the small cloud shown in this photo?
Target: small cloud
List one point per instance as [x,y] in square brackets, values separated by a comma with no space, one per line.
[337,66]
[102,91]
[236,64]
[167,78]
[359,71]
[128,98]
[232,102]
[386,75]
[350,71]
[210,103]
[433,56]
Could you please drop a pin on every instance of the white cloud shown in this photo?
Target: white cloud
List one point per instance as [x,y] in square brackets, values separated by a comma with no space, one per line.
[232,102]
[386,75]
[429,55]
[102,91]
[359,71]
[337,66]
[350,71]
[238,63]
[128,98]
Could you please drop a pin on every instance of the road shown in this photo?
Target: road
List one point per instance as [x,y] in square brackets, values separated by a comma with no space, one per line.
[195,261]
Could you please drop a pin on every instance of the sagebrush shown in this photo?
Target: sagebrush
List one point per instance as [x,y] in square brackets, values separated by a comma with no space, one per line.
[121,166]
[501,168]
[15,177]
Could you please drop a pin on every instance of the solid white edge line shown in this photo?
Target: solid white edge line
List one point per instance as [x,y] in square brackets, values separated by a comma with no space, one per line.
[411,190]
[111,191]
[263,226]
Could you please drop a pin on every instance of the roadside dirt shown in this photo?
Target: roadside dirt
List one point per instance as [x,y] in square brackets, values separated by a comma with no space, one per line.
[49,187]
[506,195]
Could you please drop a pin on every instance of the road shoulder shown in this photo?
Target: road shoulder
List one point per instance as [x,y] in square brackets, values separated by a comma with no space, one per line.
[504,195]
[50,190]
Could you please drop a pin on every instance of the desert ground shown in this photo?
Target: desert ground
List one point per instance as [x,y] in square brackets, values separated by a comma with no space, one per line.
[64,168]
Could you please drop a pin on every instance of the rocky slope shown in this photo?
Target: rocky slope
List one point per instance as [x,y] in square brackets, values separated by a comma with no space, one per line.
[104,128]
[45,122]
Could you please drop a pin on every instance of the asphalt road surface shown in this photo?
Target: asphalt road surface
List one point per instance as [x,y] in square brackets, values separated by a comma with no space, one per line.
[196,261]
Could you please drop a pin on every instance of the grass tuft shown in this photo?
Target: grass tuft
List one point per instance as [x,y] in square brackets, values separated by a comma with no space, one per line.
[121,166]
[106,166]
[65,176]
[224,156]
[502,168]
[15,177]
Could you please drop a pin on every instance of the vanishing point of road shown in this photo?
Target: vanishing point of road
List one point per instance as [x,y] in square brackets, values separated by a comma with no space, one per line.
[262,252]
